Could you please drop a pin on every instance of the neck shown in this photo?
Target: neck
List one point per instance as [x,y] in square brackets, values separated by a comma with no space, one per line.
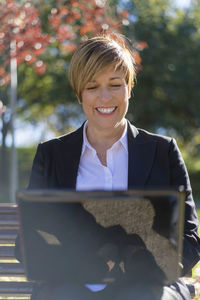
[104,139]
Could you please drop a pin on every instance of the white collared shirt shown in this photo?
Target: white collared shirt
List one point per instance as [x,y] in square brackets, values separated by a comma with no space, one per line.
[92,175]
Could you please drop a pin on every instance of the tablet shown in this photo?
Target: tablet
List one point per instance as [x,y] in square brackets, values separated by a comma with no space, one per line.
[62,232]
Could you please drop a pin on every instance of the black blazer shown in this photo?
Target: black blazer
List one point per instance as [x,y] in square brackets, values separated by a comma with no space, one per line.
[153,161]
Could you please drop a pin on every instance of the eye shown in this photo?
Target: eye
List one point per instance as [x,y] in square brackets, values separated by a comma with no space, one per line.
[115,85]
[91,88]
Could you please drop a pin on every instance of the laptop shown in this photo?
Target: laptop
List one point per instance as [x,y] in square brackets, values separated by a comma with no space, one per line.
[67,235]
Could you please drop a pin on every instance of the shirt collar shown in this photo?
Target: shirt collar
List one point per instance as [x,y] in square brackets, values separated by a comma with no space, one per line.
[122,140]
[86,144]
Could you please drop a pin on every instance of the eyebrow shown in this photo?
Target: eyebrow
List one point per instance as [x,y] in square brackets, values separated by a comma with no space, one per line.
[118,77]
[112,78]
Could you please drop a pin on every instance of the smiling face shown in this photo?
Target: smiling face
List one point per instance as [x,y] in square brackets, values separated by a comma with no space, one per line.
[105,100]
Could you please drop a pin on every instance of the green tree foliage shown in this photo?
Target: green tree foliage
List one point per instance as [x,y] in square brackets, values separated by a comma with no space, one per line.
[167,92]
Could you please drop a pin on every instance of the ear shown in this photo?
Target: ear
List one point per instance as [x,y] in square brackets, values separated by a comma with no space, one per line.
[79,101]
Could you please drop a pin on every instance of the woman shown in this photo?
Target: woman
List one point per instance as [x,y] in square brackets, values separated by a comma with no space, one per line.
[109,153]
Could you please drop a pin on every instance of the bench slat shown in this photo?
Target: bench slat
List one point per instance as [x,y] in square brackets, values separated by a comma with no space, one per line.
[7,208]
[6,297]
[15,288]
[11,269]
[12,224]
[9,221]
[8,234]
[9,216]
[7,252]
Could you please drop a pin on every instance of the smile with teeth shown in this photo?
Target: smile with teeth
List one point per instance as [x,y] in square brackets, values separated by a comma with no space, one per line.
[105,110]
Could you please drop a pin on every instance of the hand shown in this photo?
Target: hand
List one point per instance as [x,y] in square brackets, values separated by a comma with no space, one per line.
[140,266]
[110,254]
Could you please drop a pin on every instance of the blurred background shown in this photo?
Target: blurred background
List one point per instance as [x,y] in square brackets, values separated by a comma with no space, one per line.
[37,40]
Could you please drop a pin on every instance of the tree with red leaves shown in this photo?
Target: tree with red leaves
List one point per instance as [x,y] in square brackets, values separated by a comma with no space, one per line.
[21,40]
[21,36]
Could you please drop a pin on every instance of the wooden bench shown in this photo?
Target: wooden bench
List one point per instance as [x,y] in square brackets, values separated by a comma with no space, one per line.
[13,283]
[12,279]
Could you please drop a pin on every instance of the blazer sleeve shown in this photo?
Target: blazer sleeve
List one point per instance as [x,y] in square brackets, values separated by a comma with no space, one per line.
[179,176]
[37,177]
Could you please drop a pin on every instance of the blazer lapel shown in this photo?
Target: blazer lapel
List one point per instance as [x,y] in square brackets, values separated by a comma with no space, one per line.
[141,155]
[68,159]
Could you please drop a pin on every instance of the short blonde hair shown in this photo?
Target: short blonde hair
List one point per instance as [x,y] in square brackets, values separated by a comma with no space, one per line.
[94,54]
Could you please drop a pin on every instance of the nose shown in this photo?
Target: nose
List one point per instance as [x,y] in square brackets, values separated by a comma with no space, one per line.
[105,94]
